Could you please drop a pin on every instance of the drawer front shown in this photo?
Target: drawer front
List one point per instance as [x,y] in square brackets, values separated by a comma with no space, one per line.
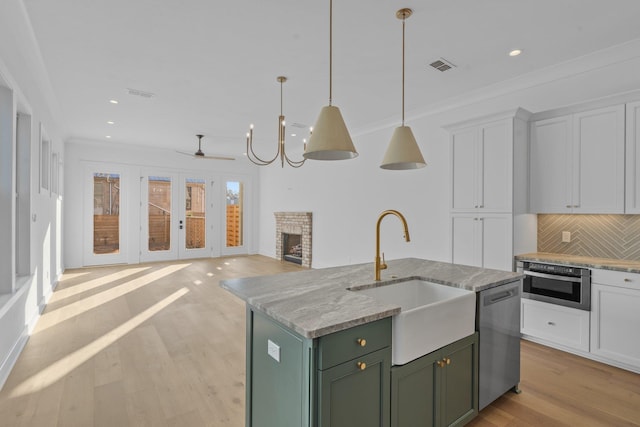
[562,325]
[342,346]
[616,278]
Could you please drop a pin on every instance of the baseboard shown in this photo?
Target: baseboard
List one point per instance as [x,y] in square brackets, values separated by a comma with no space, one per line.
[12,358]
[582,353]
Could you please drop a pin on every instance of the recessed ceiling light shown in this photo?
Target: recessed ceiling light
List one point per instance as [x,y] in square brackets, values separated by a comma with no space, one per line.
[113,101]
[293,134]
[110,122]
[515,52]
[108,136]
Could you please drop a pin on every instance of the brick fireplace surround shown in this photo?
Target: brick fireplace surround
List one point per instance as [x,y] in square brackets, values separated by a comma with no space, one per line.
[295,223]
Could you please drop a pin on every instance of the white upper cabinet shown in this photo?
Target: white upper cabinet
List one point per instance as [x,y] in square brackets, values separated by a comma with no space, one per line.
[481,167]
[577,162]
[632,197]
[489,182]
[550,165]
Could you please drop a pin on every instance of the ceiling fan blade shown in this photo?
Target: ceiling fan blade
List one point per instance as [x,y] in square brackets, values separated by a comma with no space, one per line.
[218,157]
[195,156]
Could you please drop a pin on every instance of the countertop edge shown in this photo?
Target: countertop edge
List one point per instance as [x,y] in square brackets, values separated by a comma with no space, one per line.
[627,266]
[315,303]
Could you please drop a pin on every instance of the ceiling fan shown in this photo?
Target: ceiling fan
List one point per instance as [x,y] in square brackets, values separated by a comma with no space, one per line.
[200,154]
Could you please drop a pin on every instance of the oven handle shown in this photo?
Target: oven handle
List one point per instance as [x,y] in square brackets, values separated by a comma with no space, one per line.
[552,276]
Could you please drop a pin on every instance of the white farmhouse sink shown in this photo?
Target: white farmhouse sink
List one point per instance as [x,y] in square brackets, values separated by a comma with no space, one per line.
[431,316]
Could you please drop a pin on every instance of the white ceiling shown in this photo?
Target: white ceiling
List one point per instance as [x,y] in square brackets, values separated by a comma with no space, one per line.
[212,65]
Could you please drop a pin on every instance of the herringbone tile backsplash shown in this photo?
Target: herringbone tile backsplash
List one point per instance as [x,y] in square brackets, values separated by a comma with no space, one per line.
[602,236]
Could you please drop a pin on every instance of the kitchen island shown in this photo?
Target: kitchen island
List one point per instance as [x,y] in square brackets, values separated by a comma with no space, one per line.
[308,363]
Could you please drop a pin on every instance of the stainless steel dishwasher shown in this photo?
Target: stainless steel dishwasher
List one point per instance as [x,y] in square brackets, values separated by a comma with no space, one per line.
[499,325]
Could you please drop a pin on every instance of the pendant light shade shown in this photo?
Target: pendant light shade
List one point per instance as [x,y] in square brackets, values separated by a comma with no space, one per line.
[403,152]
[330,139]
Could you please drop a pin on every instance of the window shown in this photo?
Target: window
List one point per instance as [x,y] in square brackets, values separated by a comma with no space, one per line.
[54,173]
[234,214]
[106,213]
[23,195]
[45,155]
[195,206]
[159,213]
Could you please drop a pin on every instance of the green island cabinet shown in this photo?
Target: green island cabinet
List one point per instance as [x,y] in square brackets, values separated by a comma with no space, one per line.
[345,379]
[438,389]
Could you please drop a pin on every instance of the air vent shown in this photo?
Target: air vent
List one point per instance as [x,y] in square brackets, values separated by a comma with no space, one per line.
[298,125]
[442,65]
[141,93]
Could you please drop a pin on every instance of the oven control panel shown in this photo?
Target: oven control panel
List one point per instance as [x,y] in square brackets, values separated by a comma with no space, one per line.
[560,270]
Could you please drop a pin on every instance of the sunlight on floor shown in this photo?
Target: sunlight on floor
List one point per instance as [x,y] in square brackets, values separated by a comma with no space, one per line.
[61,294]
[54,317]
[64,366]
[71,276]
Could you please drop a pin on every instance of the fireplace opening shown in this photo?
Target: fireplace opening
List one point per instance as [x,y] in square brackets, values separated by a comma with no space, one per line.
[292,248]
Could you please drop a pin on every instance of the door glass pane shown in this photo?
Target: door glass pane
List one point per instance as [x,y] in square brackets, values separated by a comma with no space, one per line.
[234,213]
[195,213]
[159,213]
[106,213]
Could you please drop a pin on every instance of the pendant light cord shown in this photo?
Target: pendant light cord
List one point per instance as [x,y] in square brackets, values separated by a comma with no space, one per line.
[330,49]
[403,23]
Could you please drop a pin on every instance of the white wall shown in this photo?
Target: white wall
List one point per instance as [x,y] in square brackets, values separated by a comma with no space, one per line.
[132,161]
[347,196]
[22,71]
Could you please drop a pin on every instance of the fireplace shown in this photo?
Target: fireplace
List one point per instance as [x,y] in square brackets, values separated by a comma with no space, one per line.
[293,237]
[292,247]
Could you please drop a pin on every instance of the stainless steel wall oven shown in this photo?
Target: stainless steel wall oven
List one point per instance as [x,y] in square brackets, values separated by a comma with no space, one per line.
[557,284]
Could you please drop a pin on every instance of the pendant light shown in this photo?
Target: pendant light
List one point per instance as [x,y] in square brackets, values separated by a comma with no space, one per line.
[403,151]
[251,155]
[330,139]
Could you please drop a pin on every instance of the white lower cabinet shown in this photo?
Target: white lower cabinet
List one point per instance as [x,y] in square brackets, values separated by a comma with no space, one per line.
[615,319]
[564,326]
[609,333]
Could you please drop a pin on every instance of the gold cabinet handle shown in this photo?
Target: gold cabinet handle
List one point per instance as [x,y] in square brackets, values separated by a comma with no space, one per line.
[440,363]
[362,366]
[362,342]
[627,280]
[448,361]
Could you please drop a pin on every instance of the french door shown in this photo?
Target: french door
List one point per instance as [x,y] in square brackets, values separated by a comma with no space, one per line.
[177,216]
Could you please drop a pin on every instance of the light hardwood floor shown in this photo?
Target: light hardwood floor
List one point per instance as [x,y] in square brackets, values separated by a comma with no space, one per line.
[162,344]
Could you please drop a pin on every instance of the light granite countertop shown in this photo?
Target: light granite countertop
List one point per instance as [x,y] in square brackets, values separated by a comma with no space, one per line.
[582,261]
[318,302]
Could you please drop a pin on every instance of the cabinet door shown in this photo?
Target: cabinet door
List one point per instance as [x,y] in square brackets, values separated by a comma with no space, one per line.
[614,323]
[550,163]
[496,164]
[414,393]
[466,240]
[356,395]
[598,155]
[464,169]
[276,361]
[459,386]
[632,181]
[564,326]
[482,240]
[497,241]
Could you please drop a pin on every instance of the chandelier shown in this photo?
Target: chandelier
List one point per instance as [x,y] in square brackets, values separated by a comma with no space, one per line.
[251,155]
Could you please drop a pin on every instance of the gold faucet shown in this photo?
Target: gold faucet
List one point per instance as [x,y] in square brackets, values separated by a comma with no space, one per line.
[380,264]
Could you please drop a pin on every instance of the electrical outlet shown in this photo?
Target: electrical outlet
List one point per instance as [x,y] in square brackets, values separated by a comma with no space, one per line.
[273,350]
[566,237]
